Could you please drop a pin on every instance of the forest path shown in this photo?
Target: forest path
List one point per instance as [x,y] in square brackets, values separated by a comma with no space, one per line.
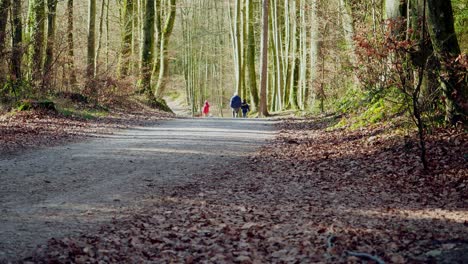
[63,190]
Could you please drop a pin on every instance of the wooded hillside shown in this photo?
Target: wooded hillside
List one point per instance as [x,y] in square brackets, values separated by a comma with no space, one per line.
[322,55]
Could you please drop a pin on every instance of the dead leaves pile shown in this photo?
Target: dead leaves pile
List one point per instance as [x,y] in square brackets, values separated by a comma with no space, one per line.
[31,129]
[311,196]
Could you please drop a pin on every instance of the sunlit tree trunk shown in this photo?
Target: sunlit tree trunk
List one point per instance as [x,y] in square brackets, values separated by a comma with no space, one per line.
[108,36]
[305,70]
[37,30]
[127,36]
[238,47]
[264,73]
[244,47]
[251,55]
[313,49]
[278,57]
[51,26]
[348,28]
[295,72]
[395,8]
[286,55]
[165,34]
[99,41]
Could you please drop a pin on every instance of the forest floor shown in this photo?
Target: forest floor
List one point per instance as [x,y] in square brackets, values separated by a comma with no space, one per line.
[194,190]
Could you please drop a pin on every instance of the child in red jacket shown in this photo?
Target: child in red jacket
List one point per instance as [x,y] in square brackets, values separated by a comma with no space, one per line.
[206,108]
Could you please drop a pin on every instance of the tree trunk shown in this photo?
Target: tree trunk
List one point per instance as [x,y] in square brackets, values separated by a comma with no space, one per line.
[51,25]
[147,49]
[101,32]
[264,74]
[4,7]
[395,8]
[348,28]
[37,30]
[166,33]
[70,43]
[127,36]
[17,41]
[296,60]
[445,44]
[238,47]
[251,55]
[91,50]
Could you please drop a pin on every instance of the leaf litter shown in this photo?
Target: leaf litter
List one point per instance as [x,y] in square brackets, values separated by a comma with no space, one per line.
[310,196]
[27,130]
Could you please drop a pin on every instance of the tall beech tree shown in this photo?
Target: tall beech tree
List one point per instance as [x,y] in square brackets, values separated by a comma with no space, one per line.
[16,41]
[70,43]
[51,28]
[91,50]
[36,29]
[100,36]
[165,24]
[264,75]
[147,49]
[128,19]
[251,54]
[4,8]
[445,44]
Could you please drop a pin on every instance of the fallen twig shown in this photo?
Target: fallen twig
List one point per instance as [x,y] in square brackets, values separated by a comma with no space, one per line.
[365,255]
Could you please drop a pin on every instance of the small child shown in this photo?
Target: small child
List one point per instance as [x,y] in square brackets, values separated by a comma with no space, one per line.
[245,108]
[206,108]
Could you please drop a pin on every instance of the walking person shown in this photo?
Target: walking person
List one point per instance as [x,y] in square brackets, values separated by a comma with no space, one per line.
[206,109]
[245,108]
[236,104]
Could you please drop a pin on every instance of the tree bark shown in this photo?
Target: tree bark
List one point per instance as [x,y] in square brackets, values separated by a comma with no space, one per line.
[4,7]
[395,8]
[445,44]
[99,41]
[51,26]
[264,74]
[251,55]
[91,50]
[165,35]
[17,41]
[296,61]
[147,49]
[37,30]
[238,47]
[127,36]
[70,43]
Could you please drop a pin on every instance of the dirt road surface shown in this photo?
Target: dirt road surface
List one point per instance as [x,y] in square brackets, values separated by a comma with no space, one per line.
[64,190]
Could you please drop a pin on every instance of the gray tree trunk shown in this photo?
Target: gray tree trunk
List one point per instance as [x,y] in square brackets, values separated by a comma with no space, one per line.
[37,30]
[264,75]
[70,43]
[91,62]
[445,44]
[51,25]
[17,41]
[147,49]
[4,7]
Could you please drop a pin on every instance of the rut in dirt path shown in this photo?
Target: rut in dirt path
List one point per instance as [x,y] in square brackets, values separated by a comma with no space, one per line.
[63,190]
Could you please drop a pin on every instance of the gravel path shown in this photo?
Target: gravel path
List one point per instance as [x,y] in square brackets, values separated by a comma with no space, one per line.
[64,190]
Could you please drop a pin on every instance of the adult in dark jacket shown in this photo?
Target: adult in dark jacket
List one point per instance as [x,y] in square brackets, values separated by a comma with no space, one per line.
[245,108]
[236,104]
